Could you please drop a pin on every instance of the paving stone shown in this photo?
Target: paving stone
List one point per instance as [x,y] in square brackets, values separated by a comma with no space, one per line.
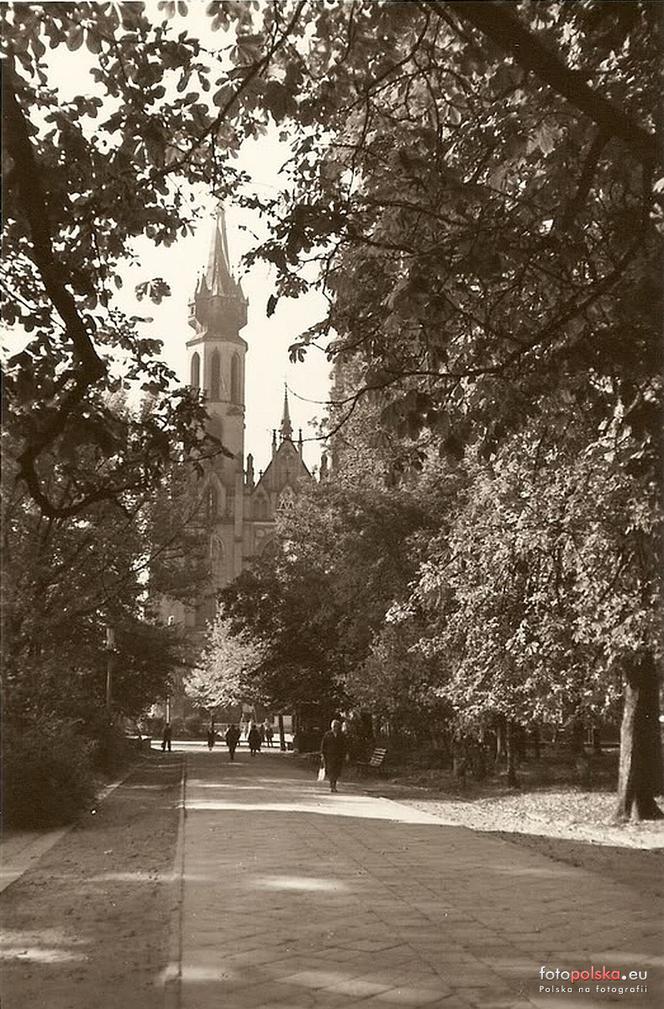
[295,898]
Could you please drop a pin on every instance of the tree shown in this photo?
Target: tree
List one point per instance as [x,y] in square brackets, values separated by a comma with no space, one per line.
[83,179]
[67,580]
[225,669]
[475,182]
[543,591]
[488,236]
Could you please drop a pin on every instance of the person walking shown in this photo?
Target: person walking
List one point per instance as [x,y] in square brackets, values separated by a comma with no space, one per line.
[269,734]
[210,737]
[167,737]
[232,739]
[333,750]
[254,740]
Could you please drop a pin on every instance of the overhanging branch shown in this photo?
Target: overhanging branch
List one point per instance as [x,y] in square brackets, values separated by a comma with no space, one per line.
[507,31]
[89,366]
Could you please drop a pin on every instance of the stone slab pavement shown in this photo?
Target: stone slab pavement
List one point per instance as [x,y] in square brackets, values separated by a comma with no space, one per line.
[293,897]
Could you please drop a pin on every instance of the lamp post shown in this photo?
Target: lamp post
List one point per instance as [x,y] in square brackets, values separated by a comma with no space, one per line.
[110,649]
[167,712]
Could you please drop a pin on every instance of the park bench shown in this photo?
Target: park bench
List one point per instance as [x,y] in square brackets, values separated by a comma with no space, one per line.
[374,764]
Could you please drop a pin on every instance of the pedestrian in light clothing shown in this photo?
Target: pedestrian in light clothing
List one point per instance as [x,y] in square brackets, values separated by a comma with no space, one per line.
[254,740]
[232,739]
[333,750]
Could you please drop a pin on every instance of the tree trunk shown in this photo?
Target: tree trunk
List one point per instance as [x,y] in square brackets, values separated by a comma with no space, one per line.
[500,738]
[577,736]
[512,779]
[640,769]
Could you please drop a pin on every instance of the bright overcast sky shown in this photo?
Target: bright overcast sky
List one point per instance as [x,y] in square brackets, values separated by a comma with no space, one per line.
[267,366]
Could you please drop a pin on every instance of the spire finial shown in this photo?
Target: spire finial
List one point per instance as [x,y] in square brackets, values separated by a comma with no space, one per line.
[218,275]
[286,426]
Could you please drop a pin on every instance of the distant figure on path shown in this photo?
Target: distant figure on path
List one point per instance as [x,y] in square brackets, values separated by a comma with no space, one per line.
[210,738]
[254,740]
[333,749]
[269,733]
[168,735]
[232,739]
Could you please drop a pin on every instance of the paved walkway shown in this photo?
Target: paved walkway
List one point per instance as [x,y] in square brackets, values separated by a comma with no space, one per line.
[296,898]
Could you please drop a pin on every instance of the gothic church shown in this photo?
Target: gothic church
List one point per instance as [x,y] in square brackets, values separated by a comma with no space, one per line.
[241,510]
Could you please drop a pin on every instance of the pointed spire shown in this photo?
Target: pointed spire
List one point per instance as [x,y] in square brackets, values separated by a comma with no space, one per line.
[286,429]
[218,274]
[299,441]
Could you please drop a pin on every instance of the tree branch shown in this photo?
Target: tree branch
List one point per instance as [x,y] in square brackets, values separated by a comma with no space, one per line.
[32,202]
[507,31]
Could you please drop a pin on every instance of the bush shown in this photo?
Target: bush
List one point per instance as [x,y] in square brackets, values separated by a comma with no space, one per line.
[112,751]
[47,774]
[195,726]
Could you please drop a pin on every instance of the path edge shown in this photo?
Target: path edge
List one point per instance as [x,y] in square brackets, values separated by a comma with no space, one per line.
[173,974]
[29,856]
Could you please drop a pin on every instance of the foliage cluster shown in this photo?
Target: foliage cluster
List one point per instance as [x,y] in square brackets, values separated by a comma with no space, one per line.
[47,773]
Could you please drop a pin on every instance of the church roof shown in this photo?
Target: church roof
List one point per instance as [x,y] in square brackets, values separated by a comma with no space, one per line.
[286,469]
[218,278]
[218,309]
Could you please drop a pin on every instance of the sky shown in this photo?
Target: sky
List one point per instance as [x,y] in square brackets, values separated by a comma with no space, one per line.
[267,363]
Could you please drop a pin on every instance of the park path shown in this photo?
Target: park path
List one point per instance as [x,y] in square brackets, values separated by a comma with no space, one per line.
[292,897]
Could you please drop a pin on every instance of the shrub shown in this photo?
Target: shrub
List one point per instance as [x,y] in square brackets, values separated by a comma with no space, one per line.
[47,774]
[112,750]
[195,726]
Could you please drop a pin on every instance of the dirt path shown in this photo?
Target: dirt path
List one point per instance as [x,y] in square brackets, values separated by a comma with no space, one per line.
[88,927]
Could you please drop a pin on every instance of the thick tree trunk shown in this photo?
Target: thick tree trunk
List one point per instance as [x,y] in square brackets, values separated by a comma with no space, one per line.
[640,770]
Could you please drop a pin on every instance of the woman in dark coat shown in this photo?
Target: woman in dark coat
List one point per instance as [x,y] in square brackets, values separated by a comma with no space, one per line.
[232,739]
[254,740]
[333,749]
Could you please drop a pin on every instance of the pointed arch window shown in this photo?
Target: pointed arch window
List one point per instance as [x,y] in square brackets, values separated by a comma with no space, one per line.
[261,507]
[215,376]
[217,557]
[236,379]
[195,372]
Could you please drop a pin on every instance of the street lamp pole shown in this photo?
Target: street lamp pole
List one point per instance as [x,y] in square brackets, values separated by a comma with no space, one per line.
[110,648]
[167,712]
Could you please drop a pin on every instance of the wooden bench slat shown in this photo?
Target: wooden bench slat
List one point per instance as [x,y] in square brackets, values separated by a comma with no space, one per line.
[375,761]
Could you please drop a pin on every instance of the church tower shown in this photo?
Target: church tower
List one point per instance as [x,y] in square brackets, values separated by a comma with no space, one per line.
[217,313]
